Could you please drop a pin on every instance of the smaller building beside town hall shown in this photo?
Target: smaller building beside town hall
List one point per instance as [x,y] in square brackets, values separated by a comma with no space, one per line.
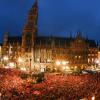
[41,52]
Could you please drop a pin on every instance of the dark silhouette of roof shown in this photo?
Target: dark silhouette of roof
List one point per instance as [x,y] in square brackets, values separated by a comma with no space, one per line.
[99,48]
[56,41]
[50,41]
[0,44]
[15,39]
[91,43]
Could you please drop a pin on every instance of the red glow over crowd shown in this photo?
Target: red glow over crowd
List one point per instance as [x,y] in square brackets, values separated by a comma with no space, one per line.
[54,87]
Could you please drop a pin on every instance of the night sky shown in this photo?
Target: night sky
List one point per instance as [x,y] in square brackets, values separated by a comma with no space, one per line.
[56,17]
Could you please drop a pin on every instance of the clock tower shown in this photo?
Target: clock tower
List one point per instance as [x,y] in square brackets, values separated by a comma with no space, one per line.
[30,30]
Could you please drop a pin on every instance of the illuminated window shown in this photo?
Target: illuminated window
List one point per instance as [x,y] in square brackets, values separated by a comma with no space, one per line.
[79,57]
[75,56]
[92,59]
[48,60]
[88,60]
[38,59]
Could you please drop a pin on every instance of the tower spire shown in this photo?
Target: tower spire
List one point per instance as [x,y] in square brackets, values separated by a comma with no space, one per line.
[79,35]
[30,29]
[36,3]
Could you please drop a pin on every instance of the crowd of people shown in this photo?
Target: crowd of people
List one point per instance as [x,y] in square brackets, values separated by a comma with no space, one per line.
[54,87]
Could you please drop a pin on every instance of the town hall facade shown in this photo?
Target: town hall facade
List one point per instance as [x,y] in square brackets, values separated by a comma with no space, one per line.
[47,52]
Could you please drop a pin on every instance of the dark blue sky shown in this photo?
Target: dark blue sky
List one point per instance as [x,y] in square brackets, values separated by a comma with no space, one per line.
[56,17]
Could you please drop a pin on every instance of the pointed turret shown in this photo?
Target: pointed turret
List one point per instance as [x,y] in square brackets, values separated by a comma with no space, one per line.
[69,35]
[5,41]
[79,35]
[36,4]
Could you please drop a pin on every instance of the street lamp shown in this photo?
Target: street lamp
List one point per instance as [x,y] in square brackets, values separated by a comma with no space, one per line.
[23,69]
[96,63]
[5,58]
[58,63]
[65,62]
[93,98]
[11,64]
[65,65]
[20,60]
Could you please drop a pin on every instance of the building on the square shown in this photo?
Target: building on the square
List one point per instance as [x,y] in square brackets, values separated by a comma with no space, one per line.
[99,55]
[42,52]
[0,49]
[79,51]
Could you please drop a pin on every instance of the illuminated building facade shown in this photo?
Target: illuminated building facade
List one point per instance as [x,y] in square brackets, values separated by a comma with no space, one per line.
[43,52]
[99,54]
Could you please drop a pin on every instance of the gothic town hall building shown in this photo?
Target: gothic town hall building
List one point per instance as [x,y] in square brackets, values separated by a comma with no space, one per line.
[42,52]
